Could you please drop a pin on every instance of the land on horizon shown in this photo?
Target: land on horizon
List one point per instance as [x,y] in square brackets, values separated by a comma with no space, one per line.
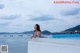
[73,30]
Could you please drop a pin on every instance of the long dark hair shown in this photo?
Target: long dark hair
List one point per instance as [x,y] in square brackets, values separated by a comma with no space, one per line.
[38,27]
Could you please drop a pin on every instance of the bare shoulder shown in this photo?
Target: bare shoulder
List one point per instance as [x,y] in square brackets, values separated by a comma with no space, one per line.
[38,32]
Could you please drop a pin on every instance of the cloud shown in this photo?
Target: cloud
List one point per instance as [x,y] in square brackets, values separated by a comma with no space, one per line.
[71,12]
[3,24]
[1,6]
[10,17]
[44,13]
[42,18]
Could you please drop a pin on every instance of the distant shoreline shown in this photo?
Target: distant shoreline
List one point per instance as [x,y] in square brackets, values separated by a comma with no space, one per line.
[43,34]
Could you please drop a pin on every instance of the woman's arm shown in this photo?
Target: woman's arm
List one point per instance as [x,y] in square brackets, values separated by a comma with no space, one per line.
[34,35]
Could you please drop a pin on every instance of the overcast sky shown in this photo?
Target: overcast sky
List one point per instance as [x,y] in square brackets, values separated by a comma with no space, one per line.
[22,15]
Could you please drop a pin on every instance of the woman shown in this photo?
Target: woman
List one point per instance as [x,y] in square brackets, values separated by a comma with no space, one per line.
[37,31]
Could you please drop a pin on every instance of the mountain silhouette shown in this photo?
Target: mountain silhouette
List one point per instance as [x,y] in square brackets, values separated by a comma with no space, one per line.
[76,28]
[46,32]
[70,30]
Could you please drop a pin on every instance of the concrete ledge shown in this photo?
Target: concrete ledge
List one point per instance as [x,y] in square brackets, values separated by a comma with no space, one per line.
[45,45]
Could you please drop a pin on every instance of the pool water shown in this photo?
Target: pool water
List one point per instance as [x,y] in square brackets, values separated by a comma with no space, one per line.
[68,36]
[18,43]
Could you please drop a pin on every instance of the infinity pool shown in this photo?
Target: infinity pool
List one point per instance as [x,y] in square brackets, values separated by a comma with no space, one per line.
[67,36]
[18,43]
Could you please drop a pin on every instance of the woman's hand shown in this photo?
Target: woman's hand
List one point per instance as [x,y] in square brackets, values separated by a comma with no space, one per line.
[33,37]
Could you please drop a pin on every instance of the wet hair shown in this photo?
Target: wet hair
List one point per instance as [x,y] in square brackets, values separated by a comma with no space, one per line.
[38,27]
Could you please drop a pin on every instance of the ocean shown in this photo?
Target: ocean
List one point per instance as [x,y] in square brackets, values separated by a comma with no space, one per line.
[18,43]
